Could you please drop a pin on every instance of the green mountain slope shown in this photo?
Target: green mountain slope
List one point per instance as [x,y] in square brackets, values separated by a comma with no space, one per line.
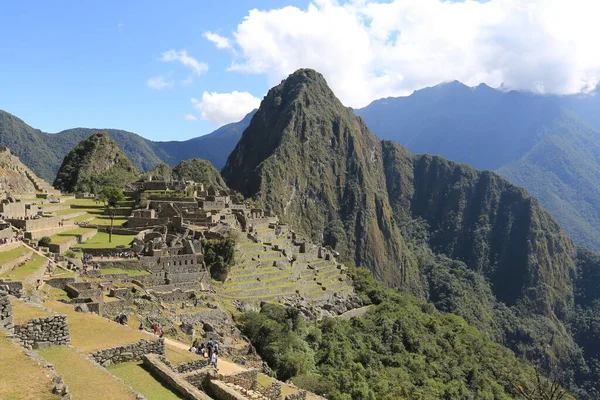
[199,170]
[95,162]
[538,142]
[44,152]
[315,164]
[468,240]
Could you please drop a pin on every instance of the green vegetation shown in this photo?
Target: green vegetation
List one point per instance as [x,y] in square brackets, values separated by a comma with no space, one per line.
[84,379]
[136,376]
[94,163]
[467,240]
[130,272]
[110,197]
[15,366]
[44,152]
[402,348]
[24,271]
[61,238]
[23,312]
[9,255]
[219,256]
[101,241]
[90,332]
[201,171]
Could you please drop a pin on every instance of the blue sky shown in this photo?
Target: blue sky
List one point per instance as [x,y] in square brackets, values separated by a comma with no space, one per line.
[149,66]
[66,64]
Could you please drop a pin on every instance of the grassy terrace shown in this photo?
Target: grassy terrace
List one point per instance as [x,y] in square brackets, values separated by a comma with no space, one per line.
[21,273]
[179,356]
[23,312]
[95,212]
[84,379]
[90,332]
[6,256]
[130,272]
[100,241]
[22,378]
[142,381]
[64,237]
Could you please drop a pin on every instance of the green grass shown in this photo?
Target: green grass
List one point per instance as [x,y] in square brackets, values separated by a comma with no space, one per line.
[179,356]
[100,241]
[64,237]
[21,273]
[23,312]
[7,256]
[142,381]
[22,378]
[90,332]
[84,379]
[130,272]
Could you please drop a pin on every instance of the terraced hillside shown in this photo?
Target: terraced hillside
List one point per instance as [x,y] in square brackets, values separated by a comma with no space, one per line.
[270,267]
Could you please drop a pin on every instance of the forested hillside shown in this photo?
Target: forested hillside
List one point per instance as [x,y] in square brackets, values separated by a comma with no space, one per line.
[547,144]
[470,241]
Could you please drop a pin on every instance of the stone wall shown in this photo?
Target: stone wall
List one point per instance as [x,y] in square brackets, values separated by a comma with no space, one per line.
[191,366]
[60,283]
[166,375]
[13,288]
[130,352]
[36,224]
[174,296]
[43,332]
[271,392]
[300,395]
[219,390]
[61,248]
[6,318]
[38,234]
[245,379]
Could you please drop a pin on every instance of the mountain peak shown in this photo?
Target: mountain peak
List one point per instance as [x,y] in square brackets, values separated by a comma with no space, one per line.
[96,161]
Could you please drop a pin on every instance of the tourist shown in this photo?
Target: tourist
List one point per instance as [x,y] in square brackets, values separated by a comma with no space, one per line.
[161,332]
[213,361]
[193,349]
[202,350]
[155,329]
[141,328]
[209,347]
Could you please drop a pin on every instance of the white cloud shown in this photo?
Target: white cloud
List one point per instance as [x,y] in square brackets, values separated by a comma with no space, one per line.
[224,108]
[184,58]
[368,50]
[159,82]
[190,117]
[219,41]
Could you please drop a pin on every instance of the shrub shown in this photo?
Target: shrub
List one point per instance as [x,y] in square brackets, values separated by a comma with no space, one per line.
[45,241]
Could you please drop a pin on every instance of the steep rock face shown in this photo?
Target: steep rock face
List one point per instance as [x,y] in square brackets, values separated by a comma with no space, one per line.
[314,163]
[479,218]
[96,161]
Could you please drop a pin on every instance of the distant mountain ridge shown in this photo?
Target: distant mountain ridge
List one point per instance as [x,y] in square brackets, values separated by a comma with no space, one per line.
[548,144]
[44,152]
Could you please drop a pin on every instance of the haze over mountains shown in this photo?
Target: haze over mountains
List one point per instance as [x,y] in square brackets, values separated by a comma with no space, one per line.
[548,144]
[44,152]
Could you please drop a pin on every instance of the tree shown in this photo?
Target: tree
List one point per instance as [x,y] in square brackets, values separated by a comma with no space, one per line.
[45,241]
[110,196]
